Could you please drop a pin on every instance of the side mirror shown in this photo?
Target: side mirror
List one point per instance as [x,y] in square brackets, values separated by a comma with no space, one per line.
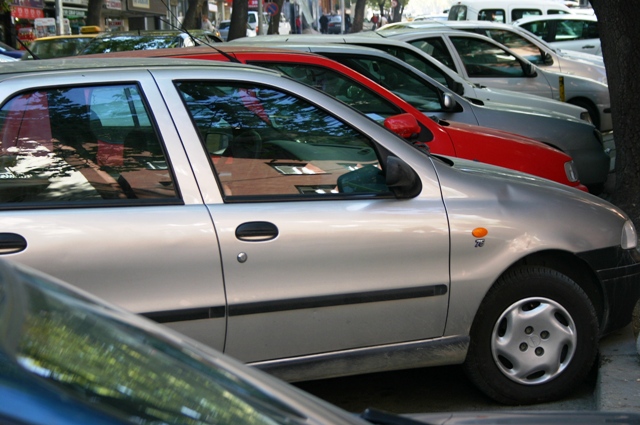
[529,70]
[404,125]
[448,102]
[403,181]
[547,59]
[458,88]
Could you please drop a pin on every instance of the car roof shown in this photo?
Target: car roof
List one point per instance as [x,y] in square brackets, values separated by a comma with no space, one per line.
[64,37]
[77,64]
[224,48]
[562,17]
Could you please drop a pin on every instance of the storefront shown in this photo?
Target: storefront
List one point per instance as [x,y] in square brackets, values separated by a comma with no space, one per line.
[24,13]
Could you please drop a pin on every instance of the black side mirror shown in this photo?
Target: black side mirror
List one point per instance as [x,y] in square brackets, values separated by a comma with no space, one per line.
[547,59]
[403,181]
[529,70]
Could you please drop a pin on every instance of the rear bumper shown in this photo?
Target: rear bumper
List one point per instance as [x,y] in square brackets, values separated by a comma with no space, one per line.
[619,273]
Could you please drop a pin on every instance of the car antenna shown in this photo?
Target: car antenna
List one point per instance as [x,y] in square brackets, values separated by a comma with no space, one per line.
[181,27]
[33,55]
[205,42]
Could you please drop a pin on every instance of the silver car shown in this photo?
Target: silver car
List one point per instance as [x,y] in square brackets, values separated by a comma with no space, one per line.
[268,220]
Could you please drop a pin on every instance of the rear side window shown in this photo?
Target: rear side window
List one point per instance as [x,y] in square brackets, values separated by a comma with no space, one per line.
[493,15]
[522,13]
[539,28]
[81,145]
[576,30]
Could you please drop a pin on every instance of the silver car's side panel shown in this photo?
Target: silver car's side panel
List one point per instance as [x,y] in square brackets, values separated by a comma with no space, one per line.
[134,256]
[433,352]
[323,271]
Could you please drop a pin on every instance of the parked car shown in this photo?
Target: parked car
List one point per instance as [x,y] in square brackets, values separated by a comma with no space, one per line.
[477,94]
[573,32]
[72,359]
[58,46]
[522,42]
[335,25]
[252,20]
[231,184]
[576,138]
[12,52]
[505,11]
[446,138]
[486,62]
[142,40]
[224,30]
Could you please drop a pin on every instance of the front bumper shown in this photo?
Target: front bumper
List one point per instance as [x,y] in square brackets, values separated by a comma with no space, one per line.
[619,273]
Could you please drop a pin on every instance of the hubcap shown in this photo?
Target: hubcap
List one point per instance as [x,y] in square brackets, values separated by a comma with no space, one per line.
[533,341]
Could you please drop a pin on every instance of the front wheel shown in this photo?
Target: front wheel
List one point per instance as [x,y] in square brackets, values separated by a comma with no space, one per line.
[534,338]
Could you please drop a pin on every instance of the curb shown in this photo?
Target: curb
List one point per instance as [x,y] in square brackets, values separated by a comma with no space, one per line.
[618,382]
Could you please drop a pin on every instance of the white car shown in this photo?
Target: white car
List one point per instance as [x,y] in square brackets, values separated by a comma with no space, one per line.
[569,32]
[486,62]
[521,41]
[224,30]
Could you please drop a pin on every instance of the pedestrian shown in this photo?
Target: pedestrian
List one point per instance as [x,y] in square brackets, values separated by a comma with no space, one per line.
[324,23]
[375,19]
[206,24]
[298,25]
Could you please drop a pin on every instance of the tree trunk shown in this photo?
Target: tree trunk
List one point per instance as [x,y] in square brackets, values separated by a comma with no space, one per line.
[94,13]
[358,16]
[618,34]
[191,21]
[238,26]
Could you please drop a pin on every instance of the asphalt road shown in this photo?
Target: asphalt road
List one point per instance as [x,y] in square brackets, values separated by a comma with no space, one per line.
[438,389]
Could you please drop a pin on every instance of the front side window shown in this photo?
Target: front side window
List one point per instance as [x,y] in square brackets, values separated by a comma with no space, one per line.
[576,30]
[520,45]
[436,48]
[267,143]
[81,145]
[397,79]
[482,59]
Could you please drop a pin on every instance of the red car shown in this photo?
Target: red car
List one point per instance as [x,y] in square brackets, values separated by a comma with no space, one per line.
[446,138]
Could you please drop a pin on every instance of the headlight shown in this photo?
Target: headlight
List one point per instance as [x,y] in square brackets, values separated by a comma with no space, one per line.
[571,171]
[629,239]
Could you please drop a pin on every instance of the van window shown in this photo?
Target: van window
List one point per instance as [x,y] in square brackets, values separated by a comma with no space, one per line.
[457,13]
[493,15]
[521,13]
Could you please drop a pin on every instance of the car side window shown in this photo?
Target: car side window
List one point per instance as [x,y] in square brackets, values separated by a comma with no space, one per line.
[267,143]
[436,48]
[483,59]
[493,15]
[539,28]
[81,145]
[576,30]
[523,13]
[520,45]
[419,62]
[394,77]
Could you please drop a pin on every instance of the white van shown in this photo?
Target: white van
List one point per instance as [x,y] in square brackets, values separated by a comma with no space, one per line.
[505,11]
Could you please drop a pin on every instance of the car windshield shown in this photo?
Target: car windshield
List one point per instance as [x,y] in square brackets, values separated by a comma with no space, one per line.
[58,47]
[89,355]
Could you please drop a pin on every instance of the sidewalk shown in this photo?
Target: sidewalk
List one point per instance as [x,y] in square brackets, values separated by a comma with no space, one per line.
[618,384]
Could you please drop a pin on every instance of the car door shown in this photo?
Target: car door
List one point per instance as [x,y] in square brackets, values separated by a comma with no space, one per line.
[318,256]
[486,63]
[94,191]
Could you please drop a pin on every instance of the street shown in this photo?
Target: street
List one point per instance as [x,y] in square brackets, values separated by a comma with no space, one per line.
[435,389]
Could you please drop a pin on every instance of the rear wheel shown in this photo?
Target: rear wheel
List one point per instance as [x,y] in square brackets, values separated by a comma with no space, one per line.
[534,337]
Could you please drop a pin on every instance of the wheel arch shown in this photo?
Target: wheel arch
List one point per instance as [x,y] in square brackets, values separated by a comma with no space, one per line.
[574,268]
[590,106]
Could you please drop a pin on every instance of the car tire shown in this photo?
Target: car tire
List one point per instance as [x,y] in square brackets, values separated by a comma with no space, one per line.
[591,109]
[534,337]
